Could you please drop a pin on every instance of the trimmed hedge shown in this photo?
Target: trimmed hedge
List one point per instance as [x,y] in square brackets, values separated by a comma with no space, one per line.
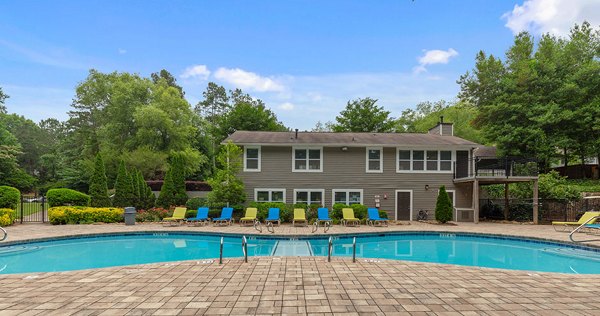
[7,216]
[360,211]
[9,197]
[84,215]
[67,197]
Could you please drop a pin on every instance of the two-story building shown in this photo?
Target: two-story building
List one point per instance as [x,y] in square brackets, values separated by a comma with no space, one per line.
[400,173]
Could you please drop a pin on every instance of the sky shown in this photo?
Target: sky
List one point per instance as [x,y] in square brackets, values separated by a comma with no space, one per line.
[305,59]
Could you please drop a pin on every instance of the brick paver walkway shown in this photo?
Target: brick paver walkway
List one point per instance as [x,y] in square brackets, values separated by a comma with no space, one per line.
[294,285]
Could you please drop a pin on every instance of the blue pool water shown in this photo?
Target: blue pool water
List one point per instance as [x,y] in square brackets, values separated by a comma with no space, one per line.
[459,249]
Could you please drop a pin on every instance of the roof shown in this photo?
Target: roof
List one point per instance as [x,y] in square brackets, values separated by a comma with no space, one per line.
[485,151]
[345,139]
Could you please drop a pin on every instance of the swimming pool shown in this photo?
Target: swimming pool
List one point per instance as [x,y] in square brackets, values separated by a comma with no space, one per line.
[137,248]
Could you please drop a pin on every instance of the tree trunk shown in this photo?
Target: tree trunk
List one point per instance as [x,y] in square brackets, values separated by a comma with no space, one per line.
[566,157]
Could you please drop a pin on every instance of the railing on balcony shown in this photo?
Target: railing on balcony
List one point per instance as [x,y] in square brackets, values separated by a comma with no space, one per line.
[495,167]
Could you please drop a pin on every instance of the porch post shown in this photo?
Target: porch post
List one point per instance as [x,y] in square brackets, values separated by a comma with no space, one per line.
[535,201]
[475,201]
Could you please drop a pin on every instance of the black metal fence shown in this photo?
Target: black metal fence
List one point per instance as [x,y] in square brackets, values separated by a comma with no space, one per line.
[32,208]
[548,209]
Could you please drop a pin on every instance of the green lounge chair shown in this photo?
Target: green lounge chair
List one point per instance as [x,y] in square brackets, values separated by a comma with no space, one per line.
[349,218]
[587,216]
[250,216]
[178,216]
[299,217]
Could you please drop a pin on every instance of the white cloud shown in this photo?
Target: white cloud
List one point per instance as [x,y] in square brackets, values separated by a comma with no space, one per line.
[196,71]
[122,51]
[551,16]
[287,106]
[434,56]
[248,80]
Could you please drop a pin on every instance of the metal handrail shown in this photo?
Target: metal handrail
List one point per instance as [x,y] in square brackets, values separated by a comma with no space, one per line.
[5,234]
[221,252]
[245,248]
[326,227]
[354,249]
[270,227]
[315,227]
[330,247]
[581,226]
[257,225]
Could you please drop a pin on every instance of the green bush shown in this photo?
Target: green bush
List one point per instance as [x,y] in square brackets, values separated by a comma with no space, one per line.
[61,197]
[443,206]
[7,216]
[383,214]
[360,211]
[195,203]
[98,185]
[155,214]
[84,215]
[124,195]
[9,197]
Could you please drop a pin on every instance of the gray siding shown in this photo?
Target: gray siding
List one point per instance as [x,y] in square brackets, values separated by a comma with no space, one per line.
[346,170]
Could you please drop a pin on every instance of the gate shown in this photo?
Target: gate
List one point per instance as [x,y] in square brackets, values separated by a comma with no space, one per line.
[33,208]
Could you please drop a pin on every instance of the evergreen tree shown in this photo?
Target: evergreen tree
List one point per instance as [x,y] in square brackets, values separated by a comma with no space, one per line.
[136,198]
[98,185]
[167,190]
[443,206]
[149,197]
[227,188]
[123,188]
[180,195]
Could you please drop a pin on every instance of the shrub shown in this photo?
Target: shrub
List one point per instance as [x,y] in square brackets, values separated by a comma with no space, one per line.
[61,197]
[84,215]
[9,197]
[98,185]
[360,211]
[7,216]
[443,206]
[383,214]
[173,191]
[195,203]
[155,214]
[123,188]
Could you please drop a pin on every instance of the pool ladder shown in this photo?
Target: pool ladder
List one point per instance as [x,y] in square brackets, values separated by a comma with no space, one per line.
[5,234]
[582,226]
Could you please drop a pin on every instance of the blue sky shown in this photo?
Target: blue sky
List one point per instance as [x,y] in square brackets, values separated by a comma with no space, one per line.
[305,59]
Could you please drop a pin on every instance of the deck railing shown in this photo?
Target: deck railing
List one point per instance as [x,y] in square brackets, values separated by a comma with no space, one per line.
[496,167]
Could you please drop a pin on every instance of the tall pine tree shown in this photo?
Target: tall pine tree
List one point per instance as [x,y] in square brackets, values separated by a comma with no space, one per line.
[123,188]
[98,185]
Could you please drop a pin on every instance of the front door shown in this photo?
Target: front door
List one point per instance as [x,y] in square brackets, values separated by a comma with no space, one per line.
[403,205]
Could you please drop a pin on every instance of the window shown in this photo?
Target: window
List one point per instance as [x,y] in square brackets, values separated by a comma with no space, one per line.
[424,160]
[252,158]
[374,159]
[309,196]
[307,159]
[269,195]
[347,197]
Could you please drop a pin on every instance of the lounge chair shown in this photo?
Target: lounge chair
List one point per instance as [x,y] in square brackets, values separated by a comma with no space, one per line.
[323,216]
[299,217]
[349,218]
[178,216]
[201,217]
[273,216]
[250,216]
[373,217]
[587,216]
[225,217]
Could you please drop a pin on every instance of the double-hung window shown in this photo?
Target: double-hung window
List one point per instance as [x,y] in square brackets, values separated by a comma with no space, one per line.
[307,160]
[374,159]
[252,158]
[309,196]
[269,195]
[347,197]
[423,160]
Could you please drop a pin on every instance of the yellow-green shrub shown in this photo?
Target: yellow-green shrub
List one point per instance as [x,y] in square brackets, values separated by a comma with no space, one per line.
[7,217]
[84,215]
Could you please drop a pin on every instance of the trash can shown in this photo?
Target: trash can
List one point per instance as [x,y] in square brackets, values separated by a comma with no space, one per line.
[129,216]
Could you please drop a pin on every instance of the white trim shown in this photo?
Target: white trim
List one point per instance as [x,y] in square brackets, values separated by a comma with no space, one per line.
[259,158]
[309,191]
[270,190]
[307,148]
[380,160]
[347,191]
[396,204]
[355,145]
[453,197]
[424,150]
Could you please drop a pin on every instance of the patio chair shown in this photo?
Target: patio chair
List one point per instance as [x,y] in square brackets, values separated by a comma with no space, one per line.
[178,216]
[201,217]
[323,216]
[349,218]
[273,216]
[225,218]
[250,216]
[373,217]
[587,216]
[299,217]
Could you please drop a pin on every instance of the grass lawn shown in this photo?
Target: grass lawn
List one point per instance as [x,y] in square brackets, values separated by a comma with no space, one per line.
[28,209]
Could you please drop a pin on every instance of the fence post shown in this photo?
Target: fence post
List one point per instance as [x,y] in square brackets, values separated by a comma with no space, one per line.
[43,209]
[21,209]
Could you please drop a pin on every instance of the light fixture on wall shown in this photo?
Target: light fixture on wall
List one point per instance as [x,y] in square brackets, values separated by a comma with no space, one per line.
[344,148]
[427,187]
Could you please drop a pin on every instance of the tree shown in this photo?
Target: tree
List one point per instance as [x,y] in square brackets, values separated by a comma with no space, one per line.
[168,79]
[227,188]
[246,116]
[123,188]
[3,98]
[443,206]
[173,191]
[362,115]
[215,103]
[323,127]
[98,185]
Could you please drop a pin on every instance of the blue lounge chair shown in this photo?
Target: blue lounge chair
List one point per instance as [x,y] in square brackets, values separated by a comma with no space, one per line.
[323,216]
[373,217]
[273,216]
[201,216]
[225,217]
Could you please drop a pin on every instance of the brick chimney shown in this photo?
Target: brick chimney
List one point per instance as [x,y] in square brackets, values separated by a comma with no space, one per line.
[443,129]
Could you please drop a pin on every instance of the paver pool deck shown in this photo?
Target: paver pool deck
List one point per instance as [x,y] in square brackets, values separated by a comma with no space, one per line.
[297,285]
